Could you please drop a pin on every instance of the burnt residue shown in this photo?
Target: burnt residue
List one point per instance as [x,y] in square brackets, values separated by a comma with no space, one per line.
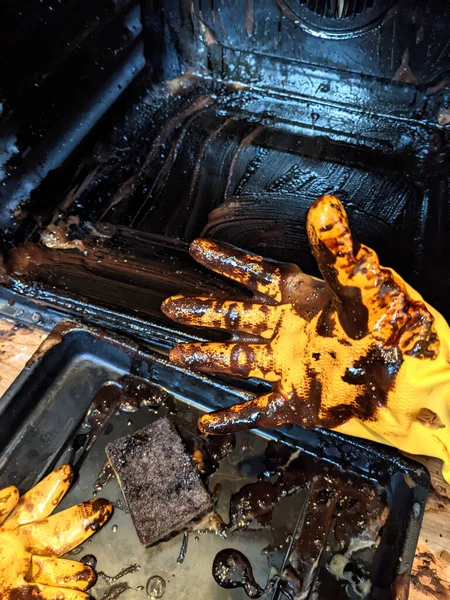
[135,185]
[404,72]
[249,17]
[127,272]
[104,476]
[425,578]
[207,451]
[341,512]
[232,569]
[125,571]
[105,403]
[251,507]
[115,591]
[138,392]
[54,338]
[376,374]
[89,559]
[128,394]
[220,445]
[400,586]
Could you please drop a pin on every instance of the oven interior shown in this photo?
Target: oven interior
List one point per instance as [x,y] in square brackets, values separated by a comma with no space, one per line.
[129,128]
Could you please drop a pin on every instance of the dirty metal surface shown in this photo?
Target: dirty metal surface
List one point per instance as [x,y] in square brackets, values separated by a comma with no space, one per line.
[306,513]
[238,164]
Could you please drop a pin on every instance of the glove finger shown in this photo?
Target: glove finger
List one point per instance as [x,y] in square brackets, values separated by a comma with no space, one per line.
[270,410]
[241,359]
[42,499]
[66,530]
[256,319]
[9,497]
[348,268]
[372,298]
[32,591]
[262,276]
[61,572]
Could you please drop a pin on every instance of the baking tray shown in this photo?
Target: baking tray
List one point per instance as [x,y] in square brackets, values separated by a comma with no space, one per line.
[47,419]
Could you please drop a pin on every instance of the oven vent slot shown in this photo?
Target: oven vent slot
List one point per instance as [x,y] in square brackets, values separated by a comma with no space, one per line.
[338,9]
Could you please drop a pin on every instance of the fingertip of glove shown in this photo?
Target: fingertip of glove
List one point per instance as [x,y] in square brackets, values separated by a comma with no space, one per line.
[65,473]
[204,251]
[197,246]
[102,505]
[326,202]
[325,212]
[208,423]
[87,575]
[169,306]
[202,424]
[177,356]
[9,497]
[100,511]
[11,492]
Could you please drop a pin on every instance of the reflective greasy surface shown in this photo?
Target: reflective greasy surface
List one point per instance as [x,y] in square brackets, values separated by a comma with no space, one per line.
[261,493]
[302,524]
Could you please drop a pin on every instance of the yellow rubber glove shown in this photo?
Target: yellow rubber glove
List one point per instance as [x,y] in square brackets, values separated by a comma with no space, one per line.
[30,542]
[360,353]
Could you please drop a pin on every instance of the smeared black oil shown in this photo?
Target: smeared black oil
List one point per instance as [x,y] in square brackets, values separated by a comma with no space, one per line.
[128,394]
[90,560]
[207,451]
[183,549]
[138,392]
[340,507]
[251,507]
[113,578]
[130,271]
[376,374]
[104,405]
[115,591]
[231,569]
[353,314]
[104,476]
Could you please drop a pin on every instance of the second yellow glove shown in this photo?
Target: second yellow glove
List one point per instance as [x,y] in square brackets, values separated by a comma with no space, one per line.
[31,541]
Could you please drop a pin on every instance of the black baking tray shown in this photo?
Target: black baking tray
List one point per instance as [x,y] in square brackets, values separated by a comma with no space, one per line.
[43,424]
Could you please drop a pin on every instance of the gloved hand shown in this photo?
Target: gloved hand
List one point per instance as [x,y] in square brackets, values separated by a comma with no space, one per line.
[360,353]
[30,542]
